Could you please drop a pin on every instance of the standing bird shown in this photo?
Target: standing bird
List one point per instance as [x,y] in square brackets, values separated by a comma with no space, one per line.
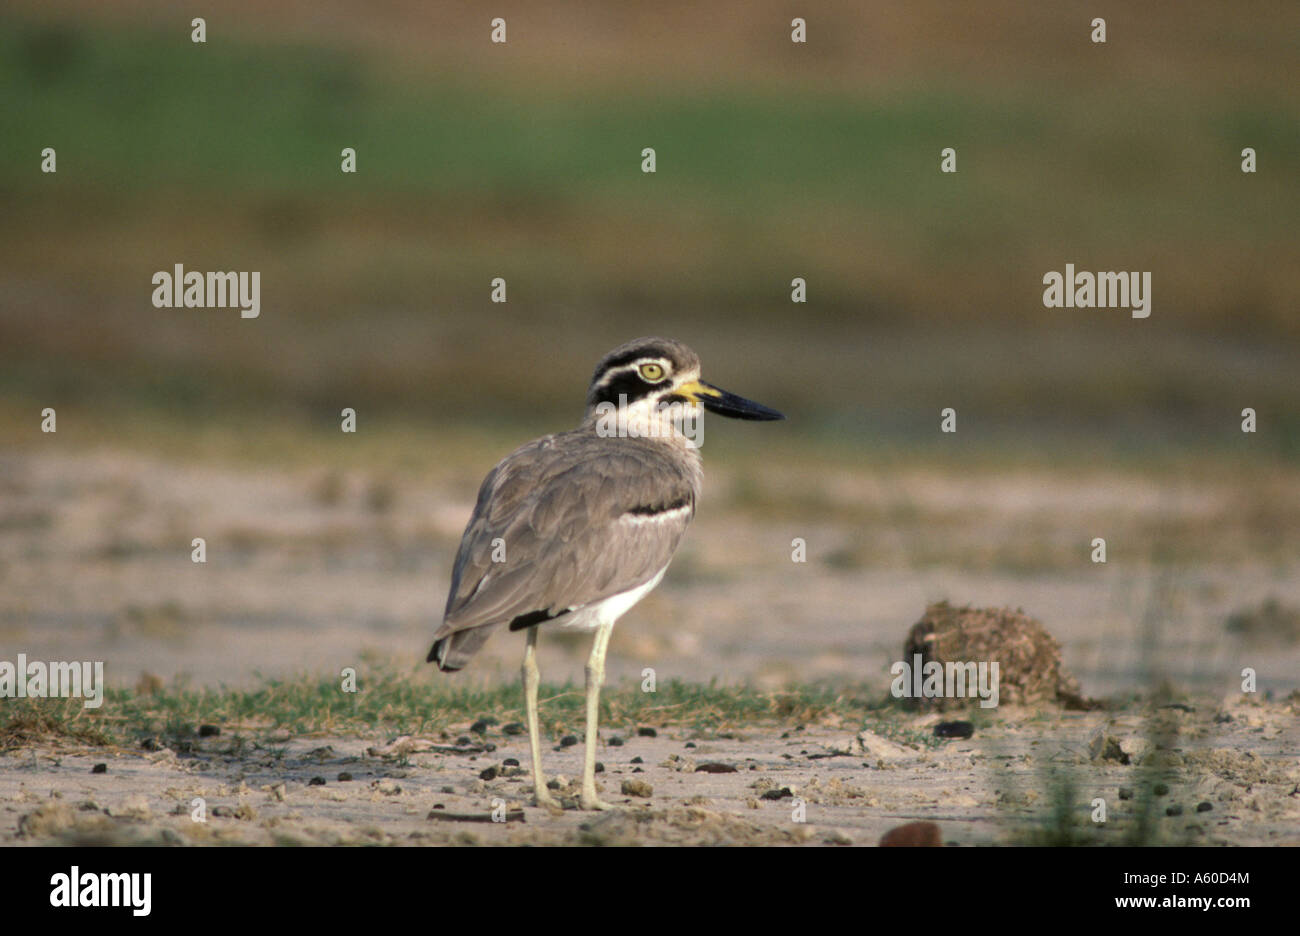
[578,527]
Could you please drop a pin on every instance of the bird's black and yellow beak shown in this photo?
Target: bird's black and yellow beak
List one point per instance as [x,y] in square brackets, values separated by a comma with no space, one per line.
[716,400]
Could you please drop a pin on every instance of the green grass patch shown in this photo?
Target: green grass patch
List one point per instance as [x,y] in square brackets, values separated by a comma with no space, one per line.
[392,702]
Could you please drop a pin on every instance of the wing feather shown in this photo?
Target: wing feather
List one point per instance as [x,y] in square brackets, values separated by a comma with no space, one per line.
[561,505]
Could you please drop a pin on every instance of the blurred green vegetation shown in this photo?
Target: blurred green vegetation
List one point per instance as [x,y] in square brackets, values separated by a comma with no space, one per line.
[924,288]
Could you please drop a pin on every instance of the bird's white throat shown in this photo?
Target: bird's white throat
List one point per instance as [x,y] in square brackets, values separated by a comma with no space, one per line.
[648,418]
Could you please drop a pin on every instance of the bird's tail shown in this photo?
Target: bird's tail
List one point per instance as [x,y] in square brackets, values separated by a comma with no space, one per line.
[453,651]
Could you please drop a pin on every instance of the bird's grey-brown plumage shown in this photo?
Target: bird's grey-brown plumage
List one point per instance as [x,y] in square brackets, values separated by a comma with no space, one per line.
[566,507]
[577,527]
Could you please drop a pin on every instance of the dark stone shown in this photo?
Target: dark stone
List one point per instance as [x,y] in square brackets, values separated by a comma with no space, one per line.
[316,781]
[209,731]
[954,729]
[99,768]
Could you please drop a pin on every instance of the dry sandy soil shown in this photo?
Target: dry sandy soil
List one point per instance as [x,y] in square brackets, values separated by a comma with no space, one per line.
[1231,777]
[309,570]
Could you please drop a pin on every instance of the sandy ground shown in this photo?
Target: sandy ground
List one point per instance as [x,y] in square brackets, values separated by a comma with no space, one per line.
[309,570]
[1232,777]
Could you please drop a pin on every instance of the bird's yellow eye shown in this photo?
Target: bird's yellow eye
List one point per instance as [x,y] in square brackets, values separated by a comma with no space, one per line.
[652,372]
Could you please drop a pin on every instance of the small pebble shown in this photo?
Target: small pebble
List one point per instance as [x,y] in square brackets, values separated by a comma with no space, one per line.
[954,729]
[316,781]
[1125,793]
[479,727]
[344,777]
[1204,806]
[615,741]
[513,728]
[510,762]
[645,731]
[777,794]
[99,768]
[568,740]
[600,768]
[489,774]
[690,744]
[464,740]
[1174,809]
[209,731]
[637,760]
[1160,789]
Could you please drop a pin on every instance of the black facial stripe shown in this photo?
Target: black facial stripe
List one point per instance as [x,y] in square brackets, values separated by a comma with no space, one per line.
[613,373]
[634,365]
[628,383]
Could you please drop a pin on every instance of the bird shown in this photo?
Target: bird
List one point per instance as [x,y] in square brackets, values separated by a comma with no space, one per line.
[573,529]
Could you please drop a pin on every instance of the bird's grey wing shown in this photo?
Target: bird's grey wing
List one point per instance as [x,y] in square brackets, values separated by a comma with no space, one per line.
[574,523]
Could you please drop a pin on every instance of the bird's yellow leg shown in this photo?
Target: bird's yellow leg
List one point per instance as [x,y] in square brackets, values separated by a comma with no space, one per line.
[541,795]
[595,679]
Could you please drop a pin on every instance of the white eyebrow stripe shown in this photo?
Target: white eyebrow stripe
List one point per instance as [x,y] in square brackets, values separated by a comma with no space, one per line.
[613,372]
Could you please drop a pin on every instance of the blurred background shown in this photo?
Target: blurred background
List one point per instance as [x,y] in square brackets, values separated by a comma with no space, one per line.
[775,160]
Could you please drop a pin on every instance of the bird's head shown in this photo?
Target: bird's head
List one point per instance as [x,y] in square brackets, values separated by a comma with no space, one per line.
[648,380]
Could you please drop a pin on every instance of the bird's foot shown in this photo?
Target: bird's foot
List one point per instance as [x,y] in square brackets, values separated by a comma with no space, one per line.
[542,799]
[590,801]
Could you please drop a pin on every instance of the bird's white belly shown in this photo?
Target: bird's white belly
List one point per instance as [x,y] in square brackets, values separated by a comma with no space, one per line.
[610,609]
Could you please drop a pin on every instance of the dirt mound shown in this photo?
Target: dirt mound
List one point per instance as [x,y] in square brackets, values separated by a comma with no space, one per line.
[1029,658]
